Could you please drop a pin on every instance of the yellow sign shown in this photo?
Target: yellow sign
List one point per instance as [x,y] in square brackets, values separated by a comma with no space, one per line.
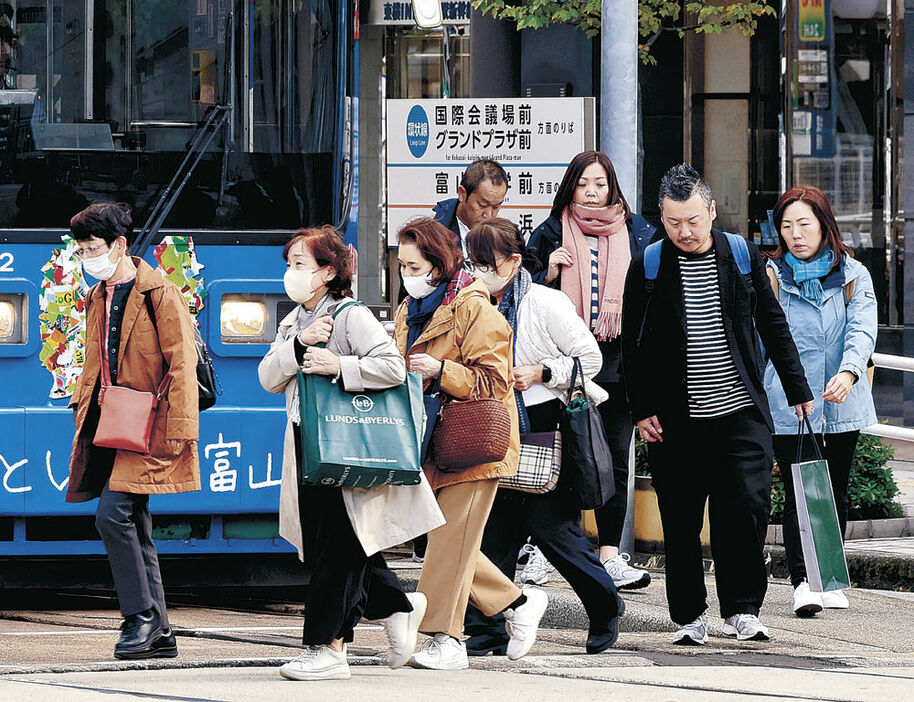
[811,20]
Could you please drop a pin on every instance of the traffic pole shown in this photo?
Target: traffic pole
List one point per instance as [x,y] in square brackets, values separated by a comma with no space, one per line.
[619,122]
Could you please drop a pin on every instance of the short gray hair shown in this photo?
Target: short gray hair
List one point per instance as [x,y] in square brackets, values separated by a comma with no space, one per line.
[680,183]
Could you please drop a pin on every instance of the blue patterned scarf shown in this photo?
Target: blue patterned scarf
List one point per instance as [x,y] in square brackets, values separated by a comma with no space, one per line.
[808,274]
[508,306]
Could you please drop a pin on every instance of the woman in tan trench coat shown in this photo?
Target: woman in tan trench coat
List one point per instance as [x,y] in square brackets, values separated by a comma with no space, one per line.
[139,353]
[339,532]
[448,329]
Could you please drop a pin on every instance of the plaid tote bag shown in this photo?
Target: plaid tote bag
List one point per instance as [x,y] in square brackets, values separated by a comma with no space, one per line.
[539,464]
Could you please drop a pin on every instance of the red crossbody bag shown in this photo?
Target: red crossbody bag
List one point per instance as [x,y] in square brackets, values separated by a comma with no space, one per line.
[126,415]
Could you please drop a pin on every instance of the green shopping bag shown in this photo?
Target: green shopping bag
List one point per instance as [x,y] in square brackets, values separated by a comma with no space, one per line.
[820,531]
[364,439]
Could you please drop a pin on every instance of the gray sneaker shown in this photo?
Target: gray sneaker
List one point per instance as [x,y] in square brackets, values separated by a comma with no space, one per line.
[693,634]
[538,570]
[745,627]
[624,575]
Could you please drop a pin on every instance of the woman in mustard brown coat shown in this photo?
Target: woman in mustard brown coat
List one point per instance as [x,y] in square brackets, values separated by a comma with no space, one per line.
[139,352]
[448,329]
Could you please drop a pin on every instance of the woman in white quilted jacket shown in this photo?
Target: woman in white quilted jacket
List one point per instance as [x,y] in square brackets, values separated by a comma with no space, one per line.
[548,335]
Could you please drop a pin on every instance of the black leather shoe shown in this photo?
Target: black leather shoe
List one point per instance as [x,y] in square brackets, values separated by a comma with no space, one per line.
[165,646]
[138,634]
[597,642]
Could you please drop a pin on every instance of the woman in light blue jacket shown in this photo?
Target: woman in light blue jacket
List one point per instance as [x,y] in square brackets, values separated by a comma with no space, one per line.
[830,305]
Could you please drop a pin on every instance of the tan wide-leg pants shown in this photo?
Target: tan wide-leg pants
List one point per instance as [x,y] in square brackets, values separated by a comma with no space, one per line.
[455,571]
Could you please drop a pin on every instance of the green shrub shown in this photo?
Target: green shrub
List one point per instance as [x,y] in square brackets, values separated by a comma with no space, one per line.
[641,465]
[871,489]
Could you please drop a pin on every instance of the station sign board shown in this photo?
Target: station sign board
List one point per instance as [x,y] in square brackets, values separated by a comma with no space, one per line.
[431,142]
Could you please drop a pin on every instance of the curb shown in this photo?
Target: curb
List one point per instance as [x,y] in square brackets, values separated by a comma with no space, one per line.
[167,664]
[565,610]
[895,528]
[873,571]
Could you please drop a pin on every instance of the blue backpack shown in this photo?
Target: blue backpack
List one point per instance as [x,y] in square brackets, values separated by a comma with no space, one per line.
[737,246]
[652,265]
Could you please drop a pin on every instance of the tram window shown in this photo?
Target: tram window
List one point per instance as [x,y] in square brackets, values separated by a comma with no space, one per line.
[133,80]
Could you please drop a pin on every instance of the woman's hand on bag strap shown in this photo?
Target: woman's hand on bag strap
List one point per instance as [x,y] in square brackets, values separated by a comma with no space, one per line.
[318,332]
[804,409]
[320,361]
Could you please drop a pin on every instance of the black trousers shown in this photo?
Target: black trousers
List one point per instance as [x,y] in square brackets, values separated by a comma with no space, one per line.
[726,461]
[346,585]
[125,525]
[838,450]
[554,522]
[617,423]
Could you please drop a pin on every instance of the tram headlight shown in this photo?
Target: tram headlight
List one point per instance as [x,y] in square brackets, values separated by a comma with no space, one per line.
[12,316]
[7,319]
[242,320]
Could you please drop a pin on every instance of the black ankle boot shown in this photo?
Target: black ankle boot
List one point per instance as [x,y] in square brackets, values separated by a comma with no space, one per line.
[138,634]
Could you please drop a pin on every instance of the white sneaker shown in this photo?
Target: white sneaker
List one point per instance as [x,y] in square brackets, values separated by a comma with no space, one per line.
[693,634]
[317,663]
[625,576]
[806,602]
[745,627]
[538,570]
[835,599]
[441,652]
[522,623]
[403,630]
[416,558]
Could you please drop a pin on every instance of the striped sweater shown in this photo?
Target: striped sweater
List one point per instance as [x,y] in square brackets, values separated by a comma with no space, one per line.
[713,383]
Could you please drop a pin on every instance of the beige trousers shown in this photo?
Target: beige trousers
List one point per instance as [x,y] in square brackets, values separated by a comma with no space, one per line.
[455,571]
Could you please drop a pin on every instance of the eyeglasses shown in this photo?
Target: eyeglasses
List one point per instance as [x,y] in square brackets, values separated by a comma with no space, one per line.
[90,251]
[486,269]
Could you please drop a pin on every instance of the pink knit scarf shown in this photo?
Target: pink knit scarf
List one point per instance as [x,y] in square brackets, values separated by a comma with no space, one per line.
[613,258]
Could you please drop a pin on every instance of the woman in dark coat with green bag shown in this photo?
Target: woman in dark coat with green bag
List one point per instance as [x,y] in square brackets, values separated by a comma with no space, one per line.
[339,532]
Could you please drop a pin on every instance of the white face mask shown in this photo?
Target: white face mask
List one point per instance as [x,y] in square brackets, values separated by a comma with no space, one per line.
[101,267]
[493,282]
[298,284]
[419,286]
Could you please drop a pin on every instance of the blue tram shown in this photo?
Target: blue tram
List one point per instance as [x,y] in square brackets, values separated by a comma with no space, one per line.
[225,124]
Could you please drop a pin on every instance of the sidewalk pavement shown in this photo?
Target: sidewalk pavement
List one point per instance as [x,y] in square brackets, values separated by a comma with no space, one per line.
[864,654]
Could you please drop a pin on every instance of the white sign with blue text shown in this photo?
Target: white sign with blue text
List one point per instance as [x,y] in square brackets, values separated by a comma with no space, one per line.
[431,142]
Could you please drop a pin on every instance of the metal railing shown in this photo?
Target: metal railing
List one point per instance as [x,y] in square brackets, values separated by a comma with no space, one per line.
[890,431]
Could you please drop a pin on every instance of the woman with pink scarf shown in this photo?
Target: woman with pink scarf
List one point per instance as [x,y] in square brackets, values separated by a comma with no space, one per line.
[584,248]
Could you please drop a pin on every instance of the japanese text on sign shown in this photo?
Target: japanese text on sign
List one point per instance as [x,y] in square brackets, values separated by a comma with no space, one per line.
[430,143]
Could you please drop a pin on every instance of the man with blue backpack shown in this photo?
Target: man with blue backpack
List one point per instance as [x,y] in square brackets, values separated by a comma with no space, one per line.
[694,307]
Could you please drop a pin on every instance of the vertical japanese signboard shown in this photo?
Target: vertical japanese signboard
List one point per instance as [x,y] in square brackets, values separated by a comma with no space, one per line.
[431,142]
[813,122]
[812,21]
